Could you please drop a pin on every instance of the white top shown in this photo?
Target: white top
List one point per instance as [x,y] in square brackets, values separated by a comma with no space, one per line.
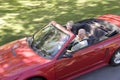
[80,44]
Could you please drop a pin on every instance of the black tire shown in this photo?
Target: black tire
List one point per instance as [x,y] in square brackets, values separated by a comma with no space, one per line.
[36,78]
[115,59]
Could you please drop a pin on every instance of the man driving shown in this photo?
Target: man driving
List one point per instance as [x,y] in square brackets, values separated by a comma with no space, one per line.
[80,40]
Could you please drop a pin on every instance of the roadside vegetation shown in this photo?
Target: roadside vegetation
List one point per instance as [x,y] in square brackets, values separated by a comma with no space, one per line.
[20,18]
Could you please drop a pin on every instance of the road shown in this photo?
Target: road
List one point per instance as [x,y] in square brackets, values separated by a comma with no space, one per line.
[105,73]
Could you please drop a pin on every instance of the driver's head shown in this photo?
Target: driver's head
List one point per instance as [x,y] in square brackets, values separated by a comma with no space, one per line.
[81,33]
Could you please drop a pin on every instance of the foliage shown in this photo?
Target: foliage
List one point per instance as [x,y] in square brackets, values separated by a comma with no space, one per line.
[19,18]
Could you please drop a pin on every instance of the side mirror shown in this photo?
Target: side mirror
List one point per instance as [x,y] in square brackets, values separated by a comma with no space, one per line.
[68,55]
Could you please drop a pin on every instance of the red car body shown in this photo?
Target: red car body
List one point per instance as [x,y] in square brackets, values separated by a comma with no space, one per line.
[26,64]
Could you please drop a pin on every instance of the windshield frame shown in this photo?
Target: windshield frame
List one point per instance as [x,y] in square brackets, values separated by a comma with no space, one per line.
[59,29]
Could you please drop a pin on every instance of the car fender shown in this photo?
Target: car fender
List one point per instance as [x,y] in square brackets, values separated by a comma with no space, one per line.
[111,51]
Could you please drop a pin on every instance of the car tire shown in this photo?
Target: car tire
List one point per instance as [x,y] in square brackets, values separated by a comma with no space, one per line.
[115,59]
[36,78]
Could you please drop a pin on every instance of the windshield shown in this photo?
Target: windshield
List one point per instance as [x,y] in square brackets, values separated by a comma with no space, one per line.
[48,41]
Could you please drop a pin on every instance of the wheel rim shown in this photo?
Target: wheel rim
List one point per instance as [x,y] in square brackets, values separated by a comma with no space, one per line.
[117,58]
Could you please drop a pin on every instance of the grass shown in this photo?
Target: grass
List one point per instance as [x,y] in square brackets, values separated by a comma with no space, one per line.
[19,18]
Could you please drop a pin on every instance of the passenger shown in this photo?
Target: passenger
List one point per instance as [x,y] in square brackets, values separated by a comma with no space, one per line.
[70,27]
[80,41]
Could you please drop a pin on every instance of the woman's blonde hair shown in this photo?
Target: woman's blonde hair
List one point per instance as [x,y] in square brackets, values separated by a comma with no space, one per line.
[70,23]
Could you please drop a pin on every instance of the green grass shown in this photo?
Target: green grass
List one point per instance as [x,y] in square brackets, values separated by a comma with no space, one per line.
[19,18]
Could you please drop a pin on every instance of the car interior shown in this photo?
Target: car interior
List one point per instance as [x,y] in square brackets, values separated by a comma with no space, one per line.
[97,30]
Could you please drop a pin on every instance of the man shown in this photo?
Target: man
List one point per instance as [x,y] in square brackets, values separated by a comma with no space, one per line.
[80,40]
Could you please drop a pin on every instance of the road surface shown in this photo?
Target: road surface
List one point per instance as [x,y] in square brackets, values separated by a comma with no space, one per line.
[105,73]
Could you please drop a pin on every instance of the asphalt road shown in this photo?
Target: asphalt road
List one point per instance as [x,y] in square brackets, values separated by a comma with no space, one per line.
[105,73]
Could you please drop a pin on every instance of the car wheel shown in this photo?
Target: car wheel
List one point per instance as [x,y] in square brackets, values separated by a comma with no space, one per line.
[36,78]
[115,59]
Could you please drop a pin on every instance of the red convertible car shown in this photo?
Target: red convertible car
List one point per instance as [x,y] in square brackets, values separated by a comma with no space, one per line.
[45,55]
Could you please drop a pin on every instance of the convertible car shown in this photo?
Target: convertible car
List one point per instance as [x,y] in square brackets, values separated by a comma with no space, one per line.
[45,55]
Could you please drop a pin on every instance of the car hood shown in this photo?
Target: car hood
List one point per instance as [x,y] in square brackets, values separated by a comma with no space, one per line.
[17,55]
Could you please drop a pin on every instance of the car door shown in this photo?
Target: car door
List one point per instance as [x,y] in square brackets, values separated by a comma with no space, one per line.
[66,67]
[91,56]
[81,60]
